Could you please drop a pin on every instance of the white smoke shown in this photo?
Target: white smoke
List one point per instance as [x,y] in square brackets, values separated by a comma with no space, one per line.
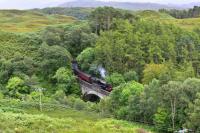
[102,71]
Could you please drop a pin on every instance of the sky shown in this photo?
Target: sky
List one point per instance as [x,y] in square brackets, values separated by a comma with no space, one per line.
[27,4]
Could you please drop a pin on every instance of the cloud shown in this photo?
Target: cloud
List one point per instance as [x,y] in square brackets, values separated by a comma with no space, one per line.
[27,4]
[160,1]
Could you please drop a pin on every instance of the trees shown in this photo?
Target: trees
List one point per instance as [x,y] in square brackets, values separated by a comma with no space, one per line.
[161,120]
[86,58]
[52,36]
[191,87]
[16,87]
[115,79]
[102,18]
[101,21]
[131,75]
[180,14]
[150,100]
[66,81]
[153,71]
[170,106]
[109,51]
[122,98]
[194,115]
[78,12]
[52,58]
[172,93]
[134,45]
[76,40]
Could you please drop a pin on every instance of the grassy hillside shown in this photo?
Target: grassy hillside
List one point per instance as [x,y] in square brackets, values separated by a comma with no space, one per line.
[187,23]
[58,119]
[77,12]
[149,14]
[29,21]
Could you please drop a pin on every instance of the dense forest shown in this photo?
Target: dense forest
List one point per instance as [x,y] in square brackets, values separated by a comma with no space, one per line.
[190,13]
[78,12]
[154,67]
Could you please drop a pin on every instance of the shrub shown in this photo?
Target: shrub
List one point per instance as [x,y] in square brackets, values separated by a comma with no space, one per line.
[1,95]
[16,86]
[131,75]
[115,79]
[79,104]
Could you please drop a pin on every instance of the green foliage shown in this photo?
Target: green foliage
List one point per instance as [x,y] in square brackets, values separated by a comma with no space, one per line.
[190,13]
[52,58]
[153,71]
[37,122]
[1,95]
[194,122]
[131,75]
[58,119]
[169,106]
[131,46]
[79,39]
[29,21]
[51,35]
[121,98]
[184,72]
[66,81]
[35,97]
[163,56]
[161,119]
[78,12]
[152,14]
[110,50]
[75,38]
[79,104]
[191,87]
[101,22]
[16,87]
[86,58]
[115,79]
[172,94]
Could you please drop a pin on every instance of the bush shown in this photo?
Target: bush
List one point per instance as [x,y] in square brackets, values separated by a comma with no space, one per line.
[131,75]
[1,95]
[115,79]
[16,87]
[124,98]
[66,81]
[79,104]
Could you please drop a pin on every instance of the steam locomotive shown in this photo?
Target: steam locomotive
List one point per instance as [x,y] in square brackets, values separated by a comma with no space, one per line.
[88,78]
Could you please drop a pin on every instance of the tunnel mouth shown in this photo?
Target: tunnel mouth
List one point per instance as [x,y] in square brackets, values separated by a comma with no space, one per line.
[91,98]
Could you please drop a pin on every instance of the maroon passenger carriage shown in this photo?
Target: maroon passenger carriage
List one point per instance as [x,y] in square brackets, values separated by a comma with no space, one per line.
[88,78]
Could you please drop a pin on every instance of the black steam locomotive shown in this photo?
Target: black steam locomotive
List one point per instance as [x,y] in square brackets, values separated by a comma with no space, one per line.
[88,78]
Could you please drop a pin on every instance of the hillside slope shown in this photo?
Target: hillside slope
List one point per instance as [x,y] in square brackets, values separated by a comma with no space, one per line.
[27,21]
[21,118]
[187,23]
[123,5]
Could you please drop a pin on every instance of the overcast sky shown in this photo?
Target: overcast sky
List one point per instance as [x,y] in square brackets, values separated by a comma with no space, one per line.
[25,4]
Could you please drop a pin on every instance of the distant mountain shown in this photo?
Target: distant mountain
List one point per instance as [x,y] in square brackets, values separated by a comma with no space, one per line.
[123,5]
[191,5]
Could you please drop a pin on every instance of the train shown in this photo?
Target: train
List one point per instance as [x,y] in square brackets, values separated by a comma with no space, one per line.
[90,79]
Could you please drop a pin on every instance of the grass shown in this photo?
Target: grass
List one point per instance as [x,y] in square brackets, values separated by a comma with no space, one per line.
[20,21]
[29,21]
[149,14]
[60,120]
[187,24]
